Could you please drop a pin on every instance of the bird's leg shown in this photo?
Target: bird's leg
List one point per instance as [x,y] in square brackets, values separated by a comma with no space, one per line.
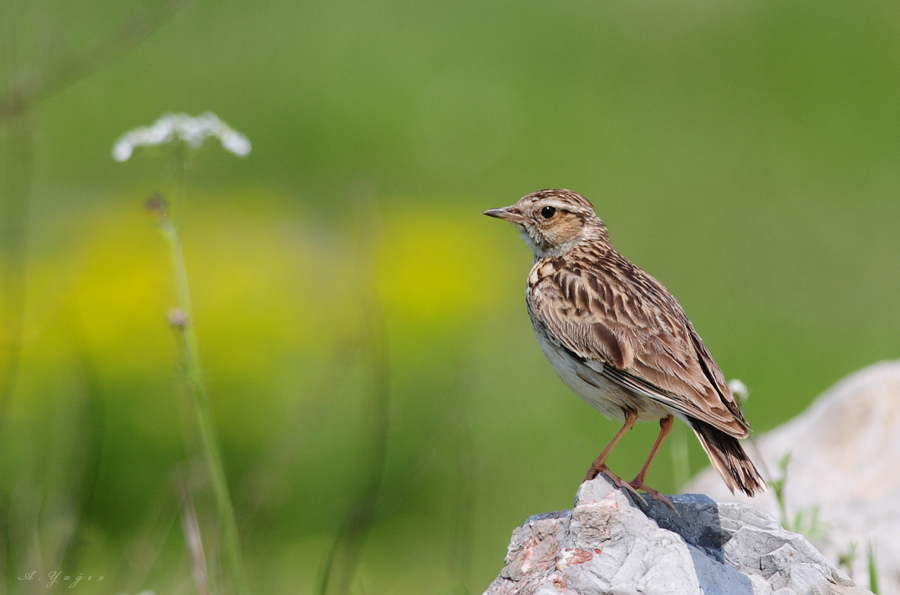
[665,426]
[599,465]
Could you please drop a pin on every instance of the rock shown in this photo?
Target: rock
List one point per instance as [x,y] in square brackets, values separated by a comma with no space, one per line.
[612,542]
[845,453]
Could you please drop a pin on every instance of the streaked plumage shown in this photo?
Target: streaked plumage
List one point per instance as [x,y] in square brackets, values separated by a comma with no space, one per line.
[619,339]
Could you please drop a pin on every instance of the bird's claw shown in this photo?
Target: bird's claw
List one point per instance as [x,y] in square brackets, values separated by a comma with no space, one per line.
[640,485]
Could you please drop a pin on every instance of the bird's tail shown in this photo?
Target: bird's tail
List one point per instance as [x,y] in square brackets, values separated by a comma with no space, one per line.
[729,459]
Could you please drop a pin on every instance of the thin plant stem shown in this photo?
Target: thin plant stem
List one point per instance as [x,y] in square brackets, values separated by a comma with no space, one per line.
[343,558]
[191,528]
[16,138]
[194,374]
[345,553]
[778,486]
[26,92]
[462,527]
[873,568]
[16,154]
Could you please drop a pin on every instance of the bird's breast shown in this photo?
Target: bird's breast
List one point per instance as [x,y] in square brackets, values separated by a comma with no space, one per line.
[585,378]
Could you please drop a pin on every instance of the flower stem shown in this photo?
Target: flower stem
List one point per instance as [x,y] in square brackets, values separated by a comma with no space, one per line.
[197,386]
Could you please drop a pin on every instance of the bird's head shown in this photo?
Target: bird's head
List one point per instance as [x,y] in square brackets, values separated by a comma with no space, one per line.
[553,221]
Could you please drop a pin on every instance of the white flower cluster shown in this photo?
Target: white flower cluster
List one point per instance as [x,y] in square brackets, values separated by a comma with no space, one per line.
[739,390]
[193,131]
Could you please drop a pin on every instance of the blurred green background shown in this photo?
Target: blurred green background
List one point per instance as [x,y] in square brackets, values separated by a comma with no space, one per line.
[747,154]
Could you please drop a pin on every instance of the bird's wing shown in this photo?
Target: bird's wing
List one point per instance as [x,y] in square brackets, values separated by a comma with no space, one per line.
[634,327]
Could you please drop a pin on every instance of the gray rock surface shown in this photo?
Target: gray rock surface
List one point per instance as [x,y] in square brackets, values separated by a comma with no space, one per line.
[611,542]
[844,467]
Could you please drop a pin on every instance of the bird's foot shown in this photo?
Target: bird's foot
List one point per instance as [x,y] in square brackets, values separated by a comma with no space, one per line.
[637,484]
[620,483]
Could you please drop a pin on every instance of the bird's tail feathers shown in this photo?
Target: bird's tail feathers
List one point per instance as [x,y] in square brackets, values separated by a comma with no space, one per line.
[729,459]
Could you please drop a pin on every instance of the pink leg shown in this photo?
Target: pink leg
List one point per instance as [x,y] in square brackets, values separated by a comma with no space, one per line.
[665,426]
[599,465]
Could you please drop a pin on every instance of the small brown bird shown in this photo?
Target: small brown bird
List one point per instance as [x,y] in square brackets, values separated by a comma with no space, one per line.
[620,341]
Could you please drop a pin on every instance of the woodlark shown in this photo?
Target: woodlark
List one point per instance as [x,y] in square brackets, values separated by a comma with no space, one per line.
[620,341]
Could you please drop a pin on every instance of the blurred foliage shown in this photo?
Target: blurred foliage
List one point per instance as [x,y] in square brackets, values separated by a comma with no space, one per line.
[747,154]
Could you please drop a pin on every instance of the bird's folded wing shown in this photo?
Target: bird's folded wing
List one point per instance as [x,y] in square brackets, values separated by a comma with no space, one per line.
[642,338]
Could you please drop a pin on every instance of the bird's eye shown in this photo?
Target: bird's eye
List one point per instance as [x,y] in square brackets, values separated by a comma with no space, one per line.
[548,212]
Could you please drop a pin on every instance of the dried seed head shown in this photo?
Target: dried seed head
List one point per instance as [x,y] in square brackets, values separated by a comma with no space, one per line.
[178,318]
[157,205]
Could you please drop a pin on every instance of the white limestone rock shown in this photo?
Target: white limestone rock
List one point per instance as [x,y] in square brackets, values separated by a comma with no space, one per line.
[845,466]
[613,543]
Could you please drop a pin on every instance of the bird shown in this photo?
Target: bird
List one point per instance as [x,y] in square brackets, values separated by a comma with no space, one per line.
[620,341]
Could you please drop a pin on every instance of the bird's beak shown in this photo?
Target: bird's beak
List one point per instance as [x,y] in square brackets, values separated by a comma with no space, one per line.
[510,214]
